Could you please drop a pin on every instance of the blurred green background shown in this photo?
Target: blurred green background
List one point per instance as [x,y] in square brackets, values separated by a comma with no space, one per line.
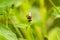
[29,19]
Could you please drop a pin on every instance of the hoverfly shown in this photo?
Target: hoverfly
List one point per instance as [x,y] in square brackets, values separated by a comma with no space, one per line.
[29,17]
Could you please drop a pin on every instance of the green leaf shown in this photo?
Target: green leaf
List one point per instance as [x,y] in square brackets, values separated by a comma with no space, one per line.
[22,39]
[26,31]
[49,5]
[56,2]
[54,34]
[6,34]
[4,3]
[2,11]
[52,16]
[58,36]
[53,12]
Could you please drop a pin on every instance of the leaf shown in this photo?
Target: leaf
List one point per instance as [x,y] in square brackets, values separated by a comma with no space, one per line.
[21,39]
[53,12]
[49,5]
[58,36]
[4,3]
[2,11]
[56,2]
[6,34]
[53,17]
[26,31]
[54,34]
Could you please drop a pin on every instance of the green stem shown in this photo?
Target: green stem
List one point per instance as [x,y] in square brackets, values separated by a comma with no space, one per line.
[43,15]
[29,25]
[14,25]
[54,6]
[27,32]
[6,15]
[18,32]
